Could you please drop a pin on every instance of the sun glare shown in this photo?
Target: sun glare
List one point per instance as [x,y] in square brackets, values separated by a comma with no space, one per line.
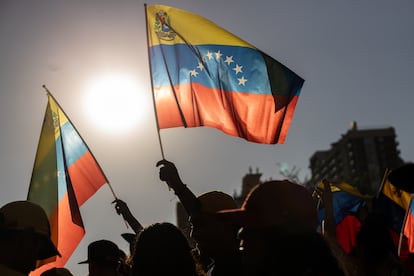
[115,103]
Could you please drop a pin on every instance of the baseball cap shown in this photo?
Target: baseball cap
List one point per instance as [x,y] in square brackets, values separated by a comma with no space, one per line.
[102,251]
[26,215]
[215,201]
[275,203]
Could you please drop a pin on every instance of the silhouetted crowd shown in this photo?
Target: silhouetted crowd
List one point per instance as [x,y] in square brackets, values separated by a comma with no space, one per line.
[276,231]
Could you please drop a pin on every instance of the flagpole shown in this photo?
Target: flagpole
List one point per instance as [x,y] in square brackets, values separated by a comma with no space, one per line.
[152,85]
[93,156]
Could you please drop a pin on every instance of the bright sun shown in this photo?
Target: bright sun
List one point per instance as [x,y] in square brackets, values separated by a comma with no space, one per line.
[115,102]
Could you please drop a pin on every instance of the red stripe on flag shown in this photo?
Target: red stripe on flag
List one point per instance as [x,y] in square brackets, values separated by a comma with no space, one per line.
[86,177]
[246,115]
[69,236]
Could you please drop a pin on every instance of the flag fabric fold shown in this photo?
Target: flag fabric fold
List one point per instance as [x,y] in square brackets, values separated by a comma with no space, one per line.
[65,175]
[203,75]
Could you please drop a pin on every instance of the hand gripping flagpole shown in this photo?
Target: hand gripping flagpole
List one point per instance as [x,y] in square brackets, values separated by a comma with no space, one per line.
[152,85]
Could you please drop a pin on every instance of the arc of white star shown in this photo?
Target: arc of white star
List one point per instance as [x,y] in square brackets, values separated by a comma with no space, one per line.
[209,55]
[218,54]
[242,81]
[193,73]
[238,69]
[229,60]
[200,66]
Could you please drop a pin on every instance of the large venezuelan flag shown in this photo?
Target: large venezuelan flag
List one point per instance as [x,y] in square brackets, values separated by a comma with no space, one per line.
[202,75]
[64,176]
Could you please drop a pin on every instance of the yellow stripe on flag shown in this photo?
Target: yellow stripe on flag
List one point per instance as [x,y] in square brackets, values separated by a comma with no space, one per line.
[180,23]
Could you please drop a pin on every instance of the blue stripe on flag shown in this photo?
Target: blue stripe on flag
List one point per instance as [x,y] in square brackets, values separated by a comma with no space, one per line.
[73,144]
[214,66]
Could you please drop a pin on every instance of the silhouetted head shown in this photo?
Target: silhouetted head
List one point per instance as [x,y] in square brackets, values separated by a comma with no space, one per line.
[25,236]
[275,203]
[403,177]
[214,238]
[162,249]
[103,256]
[103,252]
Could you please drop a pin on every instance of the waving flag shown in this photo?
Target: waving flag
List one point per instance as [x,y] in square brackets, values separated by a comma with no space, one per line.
[65,175]
[202,75]
[393,203]
[346,200]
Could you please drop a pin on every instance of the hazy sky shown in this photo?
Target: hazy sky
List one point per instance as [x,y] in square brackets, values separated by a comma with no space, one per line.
[356,58]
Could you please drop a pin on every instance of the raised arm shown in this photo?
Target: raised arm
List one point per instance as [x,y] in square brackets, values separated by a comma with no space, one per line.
[169,174]
[122,209]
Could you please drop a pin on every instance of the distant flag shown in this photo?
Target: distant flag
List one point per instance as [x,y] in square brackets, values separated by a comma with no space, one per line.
[202,75]
[65,175]
[392,202]
[403,177]
[346,200]
[401,189]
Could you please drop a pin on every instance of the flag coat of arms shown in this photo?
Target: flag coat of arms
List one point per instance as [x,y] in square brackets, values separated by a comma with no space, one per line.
[65,175]
[202,75]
